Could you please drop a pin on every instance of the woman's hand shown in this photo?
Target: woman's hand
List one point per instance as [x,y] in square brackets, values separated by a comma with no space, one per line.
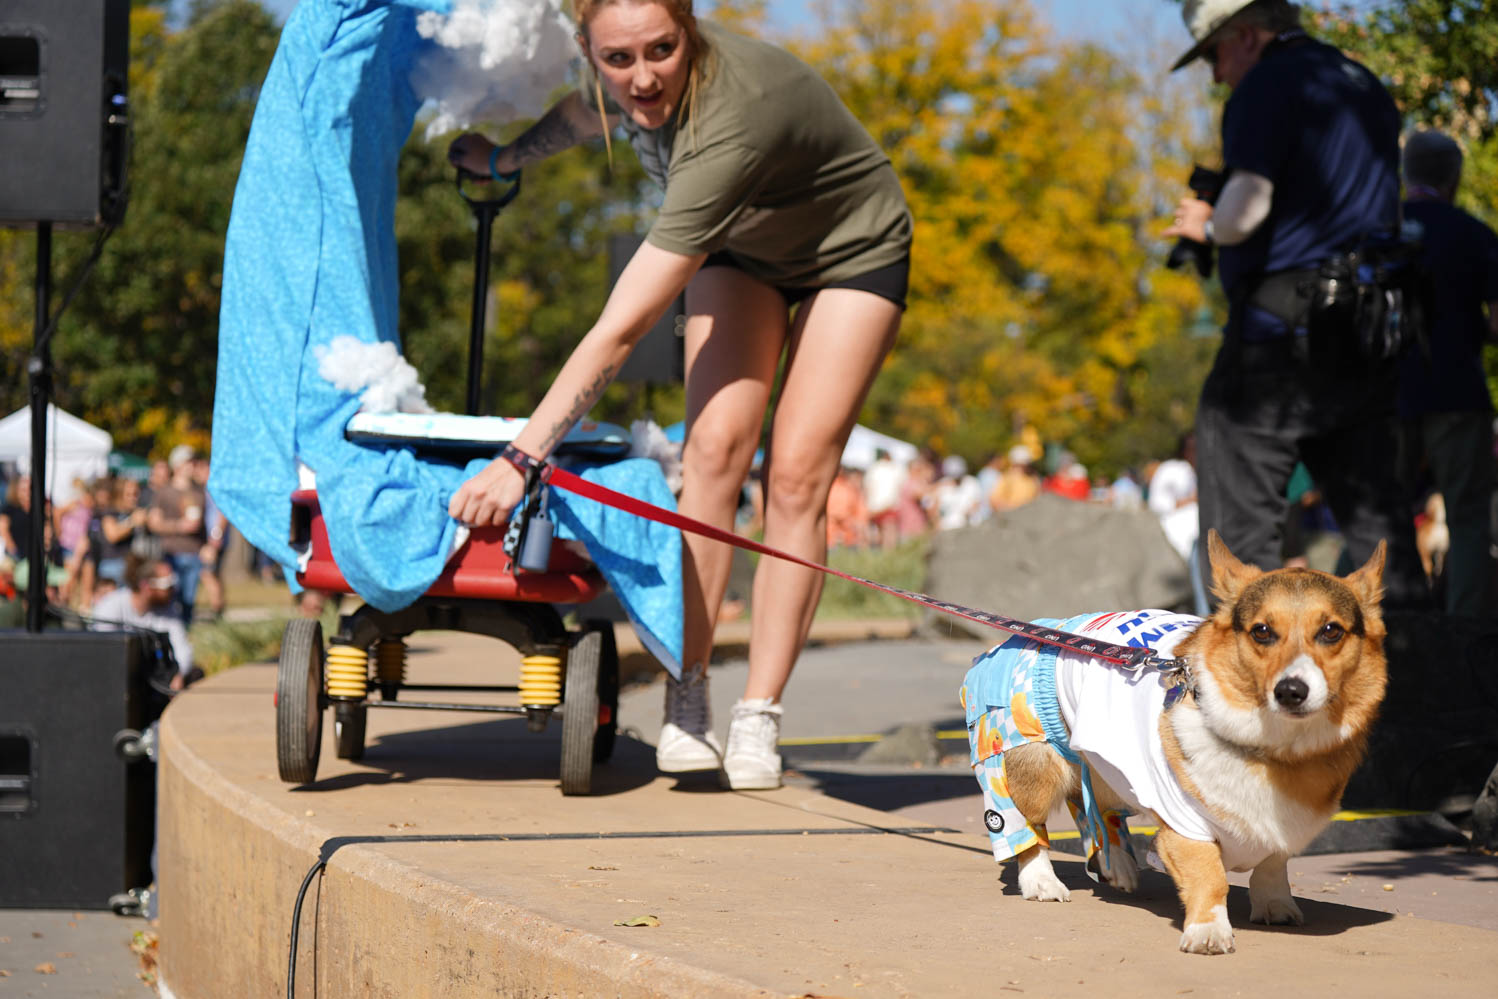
[490,496]
[471,153]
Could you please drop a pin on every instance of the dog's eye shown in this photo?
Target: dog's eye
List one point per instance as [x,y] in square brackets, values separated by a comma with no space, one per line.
[1261,633]
[1330,633]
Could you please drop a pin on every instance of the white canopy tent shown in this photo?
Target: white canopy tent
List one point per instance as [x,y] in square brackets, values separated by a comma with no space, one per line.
[863,442]
[76,449]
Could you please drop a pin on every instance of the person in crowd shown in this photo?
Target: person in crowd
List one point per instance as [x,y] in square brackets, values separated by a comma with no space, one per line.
[916,508]
[15,518]
[1310,140]
[957,496]
[159,477]
[1445,411]
[121,529]
[847,514]
[1070,479]
[12,610]
[881,494]
[1125,492]
[988,478]
[1019,482]
[176,518]
[1172,496]
[215,527]
[785,223]
[71,524]
[146,601]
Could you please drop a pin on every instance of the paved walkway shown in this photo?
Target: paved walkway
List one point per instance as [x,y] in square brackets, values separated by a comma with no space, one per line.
[860,878]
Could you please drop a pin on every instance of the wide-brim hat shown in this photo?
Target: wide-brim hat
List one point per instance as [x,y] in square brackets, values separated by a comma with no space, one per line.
[1203,18]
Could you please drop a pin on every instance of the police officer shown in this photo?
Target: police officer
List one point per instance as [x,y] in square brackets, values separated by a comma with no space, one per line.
[1445,409]
[1311,148]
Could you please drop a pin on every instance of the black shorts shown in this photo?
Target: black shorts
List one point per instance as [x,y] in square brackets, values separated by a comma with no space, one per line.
[890,282]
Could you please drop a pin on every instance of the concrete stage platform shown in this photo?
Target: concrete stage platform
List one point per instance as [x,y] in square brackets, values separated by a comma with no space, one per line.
[455,867]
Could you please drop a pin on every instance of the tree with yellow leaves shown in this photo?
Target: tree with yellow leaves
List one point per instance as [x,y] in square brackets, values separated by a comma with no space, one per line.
[1037,290]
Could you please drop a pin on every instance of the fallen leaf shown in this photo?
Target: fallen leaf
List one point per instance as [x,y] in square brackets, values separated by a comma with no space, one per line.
[638,921]
[46,968]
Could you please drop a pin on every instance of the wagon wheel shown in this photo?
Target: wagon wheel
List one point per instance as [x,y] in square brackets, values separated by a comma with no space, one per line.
[580,713]
[608,692]
[299,691]
[348,730]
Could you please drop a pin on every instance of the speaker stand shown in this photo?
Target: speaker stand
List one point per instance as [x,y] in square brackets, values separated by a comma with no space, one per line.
[39,371]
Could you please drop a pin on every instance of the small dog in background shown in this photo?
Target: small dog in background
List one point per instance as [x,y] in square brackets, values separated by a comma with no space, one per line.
[1433,536]
[1241,758]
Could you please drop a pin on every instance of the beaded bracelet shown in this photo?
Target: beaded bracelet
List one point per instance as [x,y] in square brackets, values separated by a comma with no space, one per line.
[508,178]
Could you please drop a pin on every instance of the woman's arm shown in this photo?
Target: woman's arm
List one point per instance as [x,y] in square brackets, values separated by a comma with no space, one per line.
[569,122]
[650,281]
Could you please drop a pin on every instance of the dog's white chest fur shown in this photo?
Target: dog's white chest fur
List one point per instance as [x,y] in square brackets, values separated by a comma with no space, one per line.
[1239,794]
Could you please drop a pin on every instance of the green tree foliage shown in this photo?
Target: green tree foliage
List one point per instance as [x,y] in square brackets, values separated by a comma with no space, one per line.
[1039,175]
[135,352]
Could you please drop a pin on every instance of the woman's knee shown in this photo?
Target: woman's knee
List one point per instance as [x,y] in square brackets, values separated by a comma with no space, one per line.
[797,488]
[717,452]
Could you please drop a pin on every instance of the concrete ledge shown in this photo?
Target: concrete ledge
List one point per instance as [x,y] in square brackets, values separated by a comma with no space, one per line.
[454,867]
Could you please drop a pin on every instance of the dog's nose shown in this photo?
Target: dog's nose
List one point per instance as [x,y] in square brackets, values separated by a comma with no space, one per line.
[1291,692]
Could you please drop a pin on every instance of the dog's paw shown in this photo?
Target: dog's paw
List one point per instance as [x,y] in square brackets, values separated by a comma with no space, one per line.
[1123,873]
[1215,937]
[1042,885]
[1277,909]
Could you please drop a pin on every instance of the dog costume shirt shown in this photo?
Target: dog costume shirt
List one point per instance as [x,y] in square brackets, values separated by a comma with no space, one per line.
[1092,712]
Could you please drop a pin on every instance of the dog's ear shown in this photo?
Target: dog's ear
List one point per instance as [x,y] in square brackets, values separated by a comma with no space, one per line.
[1229,575]
[1368,582]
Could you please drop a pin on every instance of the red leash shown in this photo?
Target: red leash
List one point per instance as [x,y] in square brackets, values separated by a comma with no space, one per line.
[1124,655]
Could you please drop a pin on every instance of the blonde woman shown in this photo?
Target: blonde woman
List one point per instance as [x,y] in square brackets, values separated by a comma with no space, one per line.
[786,226]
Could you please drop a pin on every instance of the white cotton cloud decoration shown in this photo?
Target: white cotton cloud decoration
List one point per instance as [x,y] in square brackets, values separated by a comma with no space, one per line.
[385,381]
[492,61]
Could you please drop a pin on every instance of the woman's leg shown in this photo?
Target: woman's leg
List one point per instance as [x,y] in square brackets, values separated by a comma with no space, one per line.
[735,330]
[838,343]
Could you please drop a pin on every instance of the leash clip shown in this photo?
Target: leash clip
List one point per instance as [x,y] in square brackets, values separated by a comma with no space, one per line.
[1164,665]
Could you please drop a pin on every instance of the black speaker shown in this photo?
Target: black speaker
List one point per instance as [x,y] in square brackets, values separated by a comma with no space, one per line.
[76,817]
[659,358]
[63,112]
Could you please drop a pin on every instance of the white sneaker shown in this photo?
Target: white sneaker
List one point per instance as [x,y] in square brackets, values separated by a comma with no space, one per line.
[687,742]
[752,761]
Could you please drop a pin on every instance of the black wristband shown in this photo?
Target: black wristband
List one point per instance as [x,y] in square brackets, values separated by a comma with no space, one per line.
[518,458]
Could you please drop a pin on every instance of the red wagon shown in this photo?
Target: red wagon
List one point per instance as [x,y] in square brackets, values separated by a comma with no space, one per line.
[574,674]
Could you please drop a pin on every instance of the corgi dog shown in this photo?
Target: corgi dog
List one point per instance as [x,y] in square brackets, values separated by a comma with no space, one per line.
[1240,753]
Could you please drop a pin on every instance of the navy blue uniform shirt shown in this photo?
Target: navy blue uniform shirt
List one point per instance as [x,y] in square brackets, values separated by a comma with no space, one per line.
[1461,257]
[1326,133]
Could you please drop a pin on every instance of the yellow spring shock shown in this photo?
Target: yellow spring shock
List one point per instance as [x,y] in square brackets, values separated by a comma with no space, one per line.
[348,672]
[390,662]
[541,680]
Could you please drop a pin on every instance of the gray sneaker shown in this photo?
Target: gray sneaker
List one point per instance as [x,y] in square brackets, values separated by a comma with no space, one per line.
[687,743]
[752,760]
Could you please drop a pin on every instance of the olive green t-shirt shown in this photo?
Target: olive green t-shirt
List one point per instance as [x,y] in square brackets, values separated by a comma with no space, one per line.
[776,170]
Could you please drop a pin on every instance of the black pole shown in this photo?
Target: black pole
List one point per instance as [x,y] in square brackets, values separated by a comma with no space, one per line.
[39,369]
[484,211]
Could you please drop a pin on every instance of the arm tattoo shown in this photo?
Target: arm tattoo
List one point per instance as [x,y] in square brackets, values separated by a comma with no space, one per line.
[552,134]
[580,406]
